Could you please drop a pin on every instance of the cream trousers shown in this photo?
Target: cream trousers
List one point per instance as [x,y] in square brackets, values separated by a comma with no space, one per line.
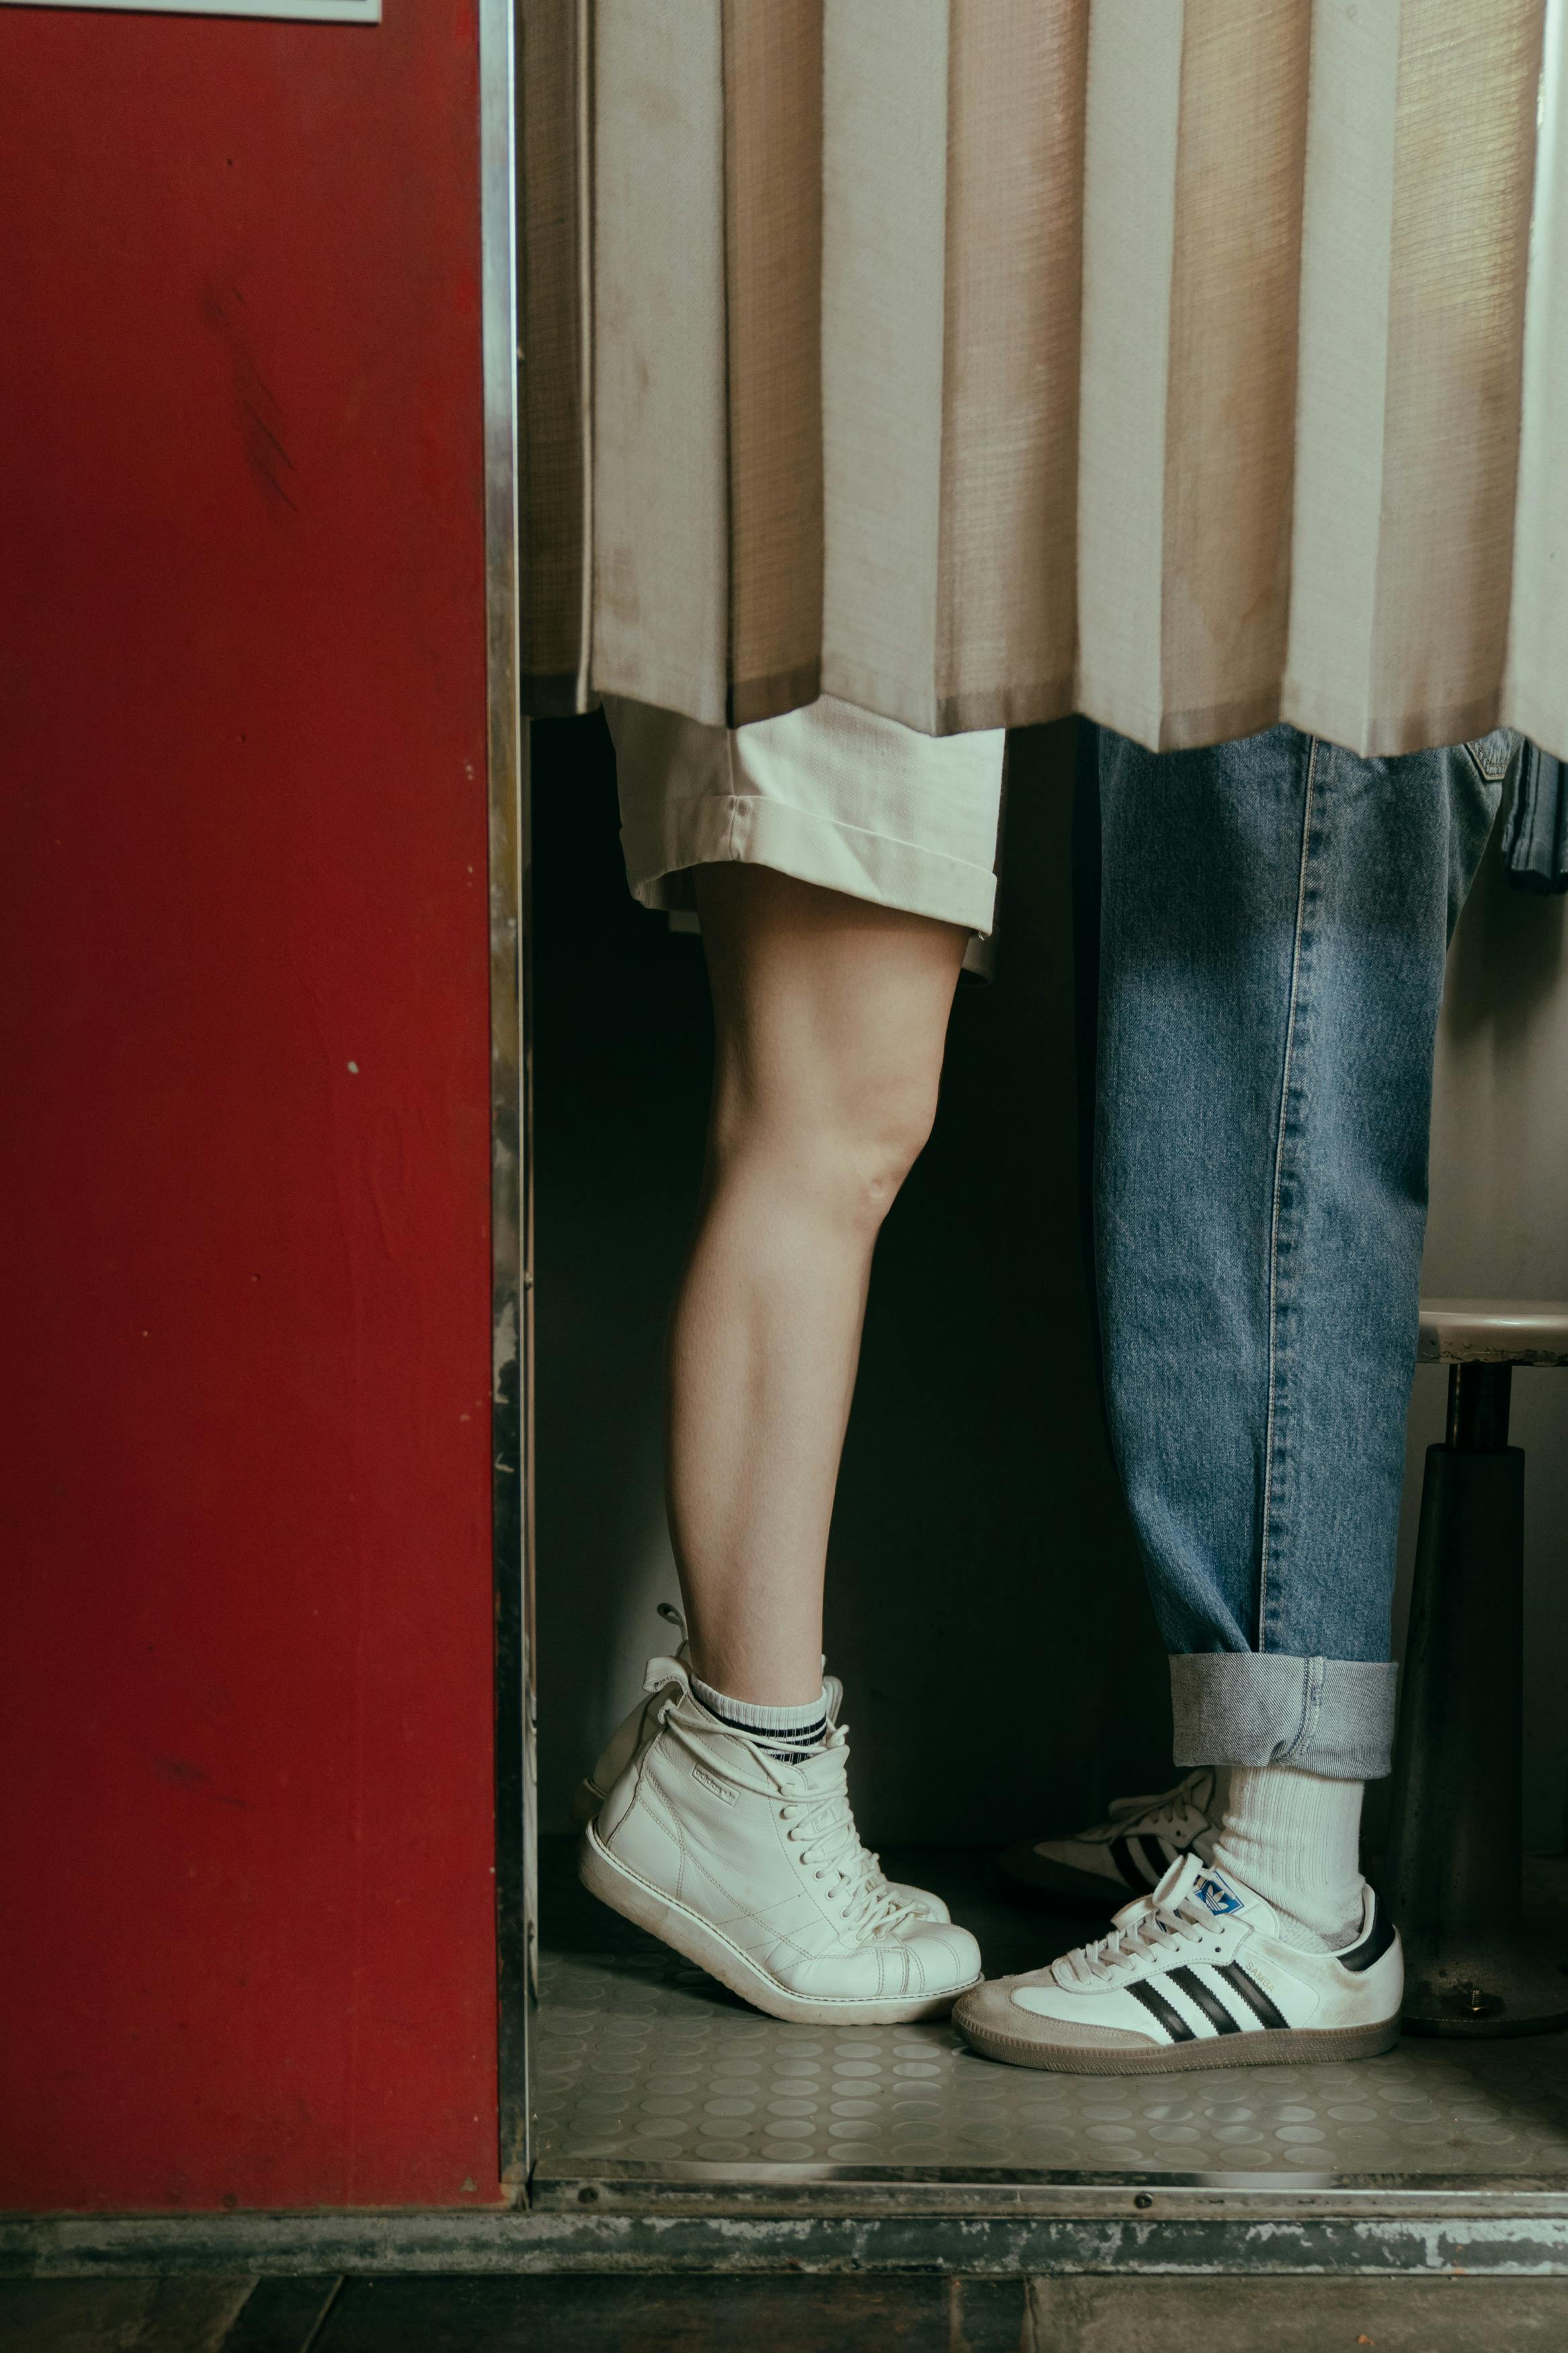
[829,794]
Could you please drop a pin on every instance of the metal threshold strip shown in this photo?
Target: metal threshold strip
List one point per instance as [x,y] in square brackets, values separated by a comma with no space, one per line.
[985,2193]
[963,2228]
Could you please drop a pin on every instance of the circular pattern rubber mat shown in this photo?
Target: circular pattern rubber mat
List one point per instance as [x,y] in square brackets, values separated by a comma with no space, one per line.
[642,2059]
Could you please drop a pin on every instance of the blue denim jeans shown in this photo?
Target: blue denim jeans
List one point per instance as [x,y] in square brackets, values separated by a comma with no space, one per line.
[1275,918]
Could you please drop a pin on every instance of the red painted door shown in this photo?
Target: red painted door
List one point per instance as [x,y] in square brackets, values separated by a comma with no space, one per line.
[245,1744]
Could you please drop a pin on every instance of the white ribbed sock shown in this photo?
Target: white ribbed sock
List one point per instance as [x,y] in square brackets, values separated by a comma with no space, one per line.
[1294,1838]
[788,1732]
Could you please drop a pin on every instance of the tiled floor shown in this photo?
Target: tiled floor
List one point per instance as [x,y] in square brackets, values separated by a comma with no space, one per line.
[643,2062]
[645,2066]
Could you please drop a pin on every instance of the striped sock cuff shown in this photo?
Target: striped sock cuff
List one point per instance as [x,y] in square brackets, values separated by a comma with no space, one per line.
[783,1731]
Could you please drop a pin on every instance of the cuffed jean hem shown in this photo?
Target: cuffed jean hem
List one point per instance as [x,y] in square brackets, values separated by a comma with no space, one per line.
[1333,1716]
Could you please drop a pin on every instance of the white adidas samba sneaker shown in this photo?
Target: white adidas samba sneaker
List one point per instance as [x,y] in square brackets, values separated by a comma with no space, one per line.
[1101,1866]
[1195,1974]
[638,1727]
[748,1861]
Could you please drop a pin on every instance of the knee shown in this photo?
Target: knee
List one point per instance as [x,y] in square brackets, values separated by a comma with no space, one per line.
[839,1158]
[854,1157]
[881,1147]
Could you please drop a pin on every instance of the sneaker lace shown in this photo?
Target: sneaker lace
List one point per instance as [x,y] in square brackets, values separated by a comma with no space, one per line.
[823,1827]
[1166,1809]
[1138,1938]
[875,1875]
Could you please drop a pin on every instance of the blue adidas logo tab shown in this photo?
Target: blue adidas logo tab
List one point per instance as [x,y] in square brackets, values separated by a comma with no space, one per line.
[1216,1895]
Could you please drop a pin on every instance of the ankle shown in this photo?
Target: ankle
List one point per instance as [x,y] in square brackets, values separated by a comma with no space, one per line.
[1293,1838]
[790,1730]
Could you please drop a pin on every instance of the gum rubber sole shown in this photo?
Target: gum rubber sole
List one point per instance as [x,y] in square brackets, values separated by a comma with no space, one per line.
[677,1925]
[1279,2046]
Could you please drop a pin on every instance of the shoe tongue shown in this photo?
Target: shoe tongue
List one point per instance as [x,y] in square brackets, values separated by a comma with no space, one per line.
[659,1672]
[1204,1887]
[823,1771]
[1218,1893]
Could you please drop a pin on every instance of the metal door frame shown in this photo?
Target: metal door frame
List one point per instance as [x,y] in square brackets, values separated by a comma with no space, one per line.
[511,1187]
[686,2216]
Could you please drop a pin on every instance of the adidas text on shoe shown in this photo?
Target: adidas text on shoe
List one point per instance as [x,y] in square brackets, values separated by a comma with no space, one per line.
[750,1865]
[1194,1974]
[1127,1855]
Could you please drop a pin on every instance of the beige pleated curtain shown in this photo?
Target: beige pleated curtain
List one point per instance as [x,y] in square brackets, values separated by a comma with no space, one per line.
[1191,364]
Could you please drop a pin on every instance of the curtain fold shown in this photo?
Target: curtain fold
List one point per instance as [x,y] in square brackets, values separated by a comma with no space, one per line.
[555,308]
[1188,364]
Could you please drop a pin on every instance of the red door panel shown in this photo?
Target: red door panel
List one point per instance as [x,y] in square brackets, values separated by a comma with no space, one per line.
[243,1169]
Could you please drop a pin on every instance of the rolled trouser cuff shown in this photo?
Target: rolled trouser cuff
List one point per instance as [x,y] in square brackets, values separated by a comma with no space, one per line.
[1333,1716]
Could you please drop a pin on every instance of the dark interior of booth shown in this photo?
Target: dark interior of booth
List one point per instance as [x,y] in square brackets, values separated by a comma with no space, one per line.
[982,1577]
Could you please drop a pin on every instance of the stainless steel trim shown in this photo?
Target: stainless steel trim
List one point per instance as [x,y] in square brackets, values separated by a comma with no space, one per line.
[511,1092]
[692,2188]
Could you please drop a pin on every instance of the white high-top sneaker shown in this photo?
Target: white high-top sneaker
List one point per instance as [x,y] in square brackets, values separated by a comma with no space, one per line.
[639,1726]
[630,1734]
[751,1867]
[1131,1854]
[1195,1974]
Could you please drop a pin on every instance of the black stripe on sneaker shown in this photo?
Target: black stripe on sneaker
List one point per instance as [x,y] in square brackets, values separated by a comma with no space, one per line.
[1374,1945]
[1154,1856]
[1136,1874]
[1205,1999]
[1164,2013]
[1251,1993]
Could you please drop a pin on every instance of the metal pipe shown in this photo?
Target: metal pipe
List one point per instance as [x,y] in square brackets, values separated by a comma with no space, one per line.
[1478,1399]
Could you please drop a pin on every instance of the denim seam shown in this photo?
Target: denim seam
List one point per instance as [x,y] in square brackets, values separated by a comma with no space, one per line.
[1271,1429]
[1311,1706]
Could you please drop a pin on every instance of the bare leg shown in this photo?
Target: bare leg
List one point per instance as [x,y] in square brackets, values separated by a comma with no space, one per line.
[831,1016]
